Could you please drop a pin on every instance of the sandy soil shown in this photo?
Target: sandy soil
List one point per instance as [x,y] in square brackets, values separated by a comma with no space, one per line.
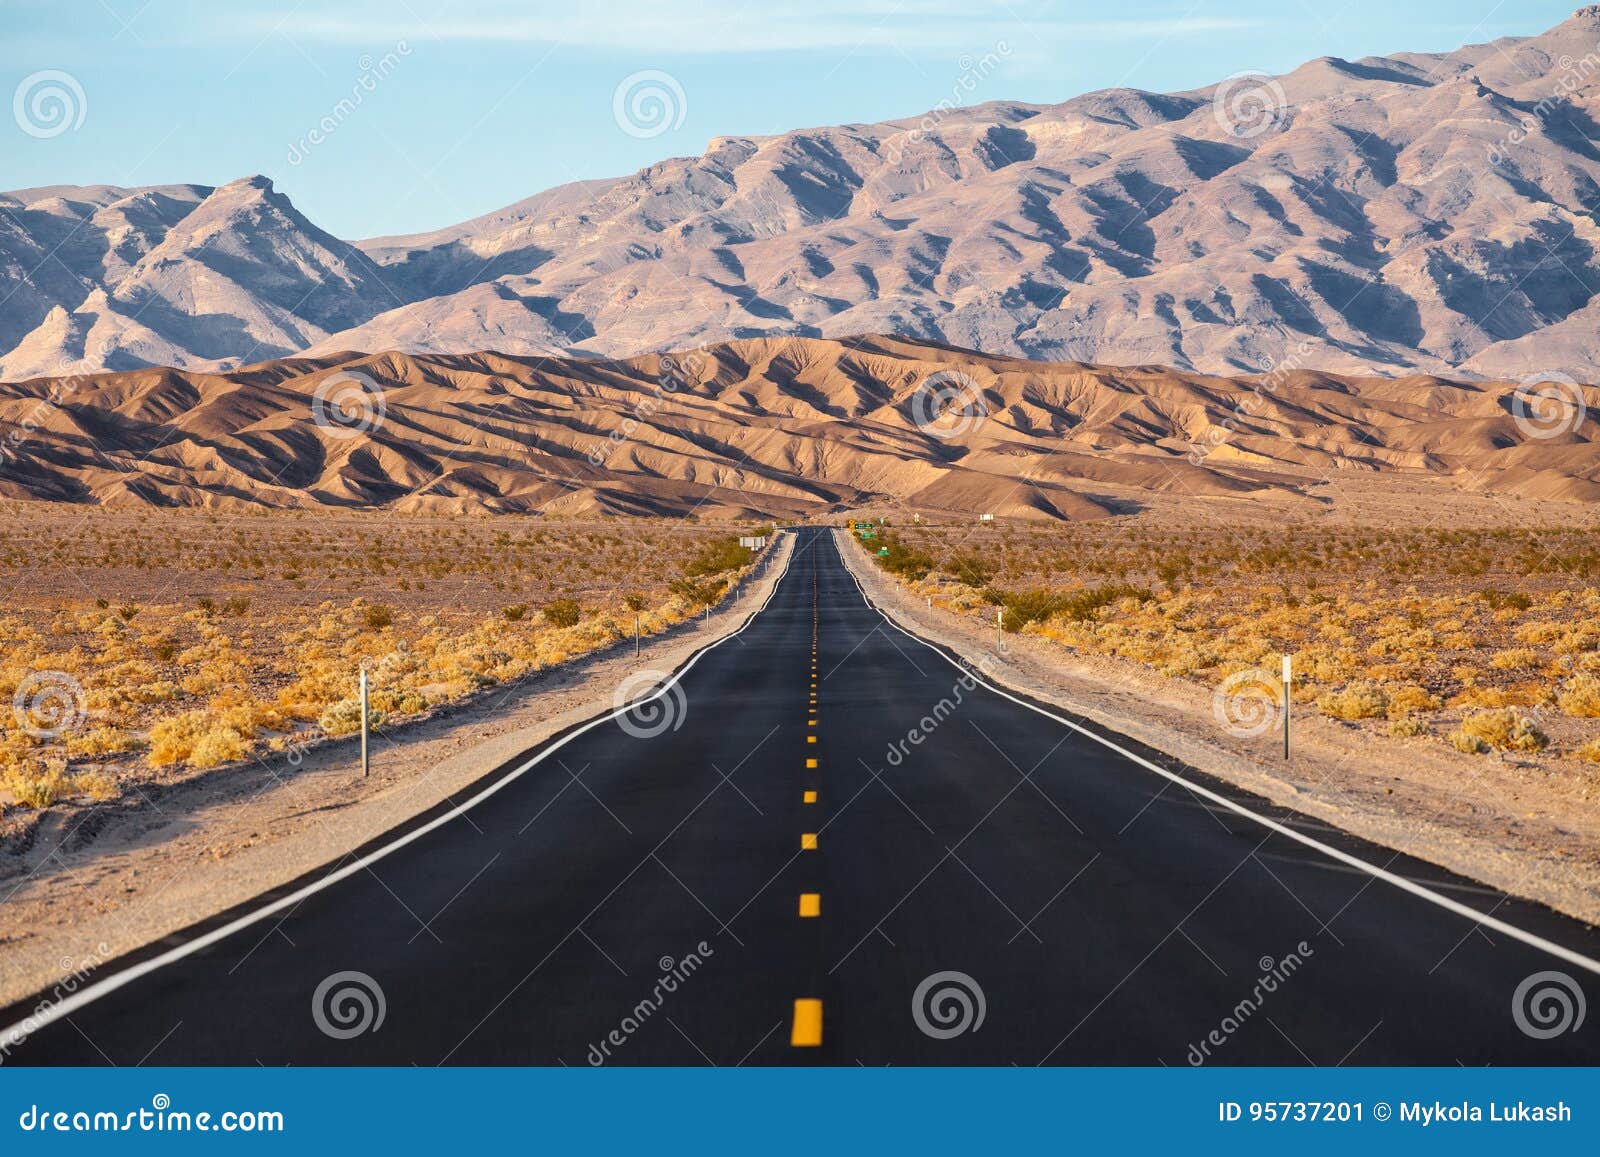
[1503,822]
[97,882]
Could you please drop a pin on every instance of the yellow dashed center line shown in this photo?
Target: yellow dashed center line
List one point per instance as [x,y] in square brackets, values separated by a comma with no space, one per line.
[810,905]
[808,842]
[811,763]
[807,1031]
[810,797]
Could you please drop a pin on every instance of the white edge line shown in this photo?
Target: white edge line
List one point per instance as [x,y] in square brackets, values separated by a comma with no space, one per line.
[1487,921]
[17,1033]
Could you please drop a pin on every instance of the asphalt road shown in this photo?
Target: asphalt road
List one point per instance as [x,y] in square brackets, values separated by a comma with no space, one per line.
[636,898]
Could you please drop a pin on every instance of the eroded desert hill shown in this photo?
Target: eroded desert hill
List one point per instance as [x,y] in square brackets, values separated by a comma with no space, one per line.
[772,427]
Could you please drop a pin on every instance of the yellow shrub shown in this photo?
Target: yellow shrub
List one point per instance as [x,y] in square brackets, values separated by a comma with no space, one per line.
[37,786]
[1514,658]
[344,718]
[201,738]
[217,746]
[1408,698]
[100,785]
[1504,730]
[1406,726]
[102,741]
[1580,696]
[1362,699]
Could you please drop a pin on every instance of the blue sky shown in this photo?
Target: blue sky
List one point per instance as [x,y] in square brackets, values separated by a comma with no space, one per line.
[483,102]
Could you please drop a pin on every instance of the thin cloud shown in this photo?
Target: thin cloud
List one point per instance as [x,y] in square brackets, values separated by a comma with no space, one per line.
[717,28]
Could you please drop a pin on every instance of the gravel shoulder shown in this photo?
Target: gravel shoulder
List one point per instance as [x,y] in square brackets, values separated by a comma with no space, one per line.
[95,883]
[1506,823]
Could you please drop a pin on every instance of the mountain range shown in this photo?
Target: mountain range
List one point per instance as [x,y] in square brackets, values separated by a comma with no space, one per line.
[773,428]
[1422,213]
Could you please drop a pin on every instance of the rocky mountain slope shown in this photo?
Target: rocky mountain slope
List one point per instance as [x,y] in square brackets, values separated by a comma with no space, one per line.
[1414,213]
[772,427]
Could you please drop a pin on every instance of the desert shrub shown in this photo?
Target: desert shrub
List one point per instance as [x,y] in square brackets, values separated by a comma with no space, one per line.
[1407,726]
[1580,696]
[1504,730]
[98,785]
[37,785]
[1471,744]
[1081,606]
[1405,699]
[376,617]
[514,613]
[1501,600]
[562,612]
[1514,658]
[102,741]
[1589,751]
[202,738]
[697,594]
[972,571]
[1363,699]
[1024,607]
[344,717]
[723,555]
[903,560]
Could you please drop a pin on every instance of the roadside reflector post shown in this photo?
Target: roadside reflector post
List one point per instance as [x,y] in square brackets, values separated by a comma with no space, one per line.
[635,634]
[365,717]
[1288,682]
[999,625]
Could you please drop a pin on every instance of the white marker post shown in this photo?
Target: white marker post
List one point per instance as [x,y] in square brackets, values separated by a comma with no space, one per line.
[1288,683]
[999,625]
[635,634]
[365,715]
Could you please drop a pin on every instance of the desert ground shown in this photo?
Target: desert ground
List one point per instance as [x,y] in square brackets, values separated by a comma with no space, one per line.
[145,647]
